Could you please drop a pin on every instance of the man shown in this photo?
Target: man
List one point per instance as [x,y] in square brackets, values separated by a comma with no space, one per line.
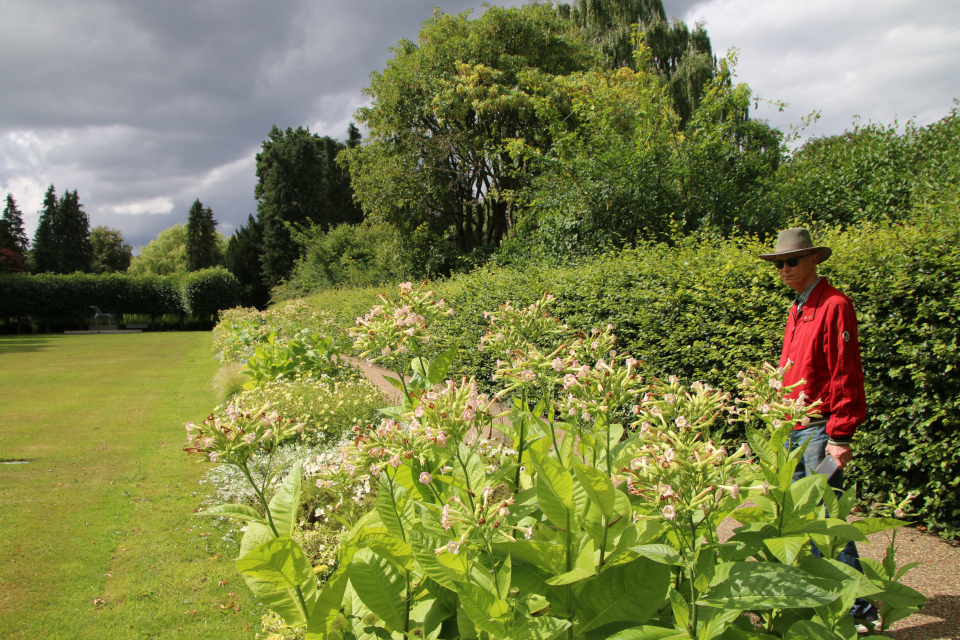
[821,342]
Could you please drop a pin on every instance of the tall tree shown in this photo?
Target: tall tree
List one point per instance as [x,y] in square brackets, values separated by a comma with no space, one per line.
[111,253]
[71,230]
[300,184]
[44,243]
[202,247]
[683,58]
[12,234]
[448,115]
[242,258]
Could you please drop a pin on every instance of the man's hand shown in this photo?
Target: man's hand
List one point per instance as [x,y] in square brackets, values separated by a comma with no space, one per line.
[841,454]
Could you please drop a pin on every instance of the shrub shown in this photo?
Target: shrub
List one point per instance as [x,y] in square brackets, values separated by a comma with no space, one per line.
[327,408]
[705,308]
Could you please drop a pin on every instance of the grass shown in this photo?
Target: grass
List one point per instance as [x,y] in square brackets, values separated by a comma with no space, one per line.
[97,539]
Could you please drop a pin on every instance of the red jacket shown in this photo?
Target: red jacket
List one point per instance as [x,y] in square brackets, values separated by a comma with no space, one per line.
[822,344]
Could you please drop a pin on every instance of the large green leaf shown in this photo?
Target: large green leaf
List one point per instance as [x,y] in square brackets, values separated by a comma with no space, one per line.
[662,553]
[393,549]
[327,608]
[829,527]
[785,549]
[547,556]
[437,371]
[380,586]
[760,446]
[629,592]
[486,611]
[239,511]
[539,628]
[280,561]
[393,506]
[867,526]
[598,486]
[286,501]
[809,630]
[554,490]
[762,585]
[645,632]
[423,545]
[899,595]
[275,598]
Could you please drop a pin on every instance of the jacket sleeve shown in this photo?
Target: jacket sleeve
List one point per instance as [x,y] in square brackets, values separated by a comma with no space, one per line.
[847,400]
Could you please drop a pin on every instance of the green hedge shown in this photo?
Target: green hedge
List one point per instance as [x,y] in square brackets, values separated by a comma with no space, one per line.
[704,310]
[69,297]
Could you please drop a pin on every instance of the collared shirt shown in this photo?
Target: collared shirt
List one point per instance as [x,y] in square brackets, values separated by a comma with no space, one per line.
[801,299]
[822,343]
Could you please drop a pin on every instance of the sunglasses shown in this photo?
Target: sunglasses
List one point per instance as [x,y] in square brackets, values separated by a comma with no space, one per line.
[791,262]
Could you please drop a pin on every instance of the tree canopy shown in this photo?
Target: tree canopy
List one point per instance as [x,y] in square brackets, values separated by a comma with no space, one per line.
[111,253]
[300,184]
[12,234]
[446,113]
[203,250]
[62,240]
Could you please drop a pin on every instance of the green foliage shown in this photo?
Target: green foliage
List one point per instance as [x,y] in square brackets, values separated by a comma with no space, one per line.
[299,184]
[326,407]
[243,258]
[69,297]
[240,330]
[203,250]
[207,292]
[871,174]
[351,256]
[603,527]
[62,242]
[622,171]
[12,234]
[703,308]
[444,115]
[111,253]
[164,255]
[305,354]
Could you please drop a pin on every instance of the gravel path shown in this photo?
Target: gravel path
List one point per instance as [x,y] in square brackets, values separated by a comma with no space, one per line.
[937,577]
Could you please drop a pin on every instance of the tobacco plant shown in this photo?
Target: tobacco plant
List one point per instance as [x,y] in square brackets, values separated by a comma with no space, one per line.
[589,509]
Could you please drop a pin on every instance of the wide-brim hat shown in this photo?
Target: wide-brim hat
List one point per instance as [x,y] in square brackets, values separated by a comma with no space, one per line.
[795,242]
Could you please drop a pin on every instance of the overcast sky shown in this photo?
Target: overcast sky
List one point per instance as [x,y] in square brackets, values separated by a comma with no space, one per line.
[144,106]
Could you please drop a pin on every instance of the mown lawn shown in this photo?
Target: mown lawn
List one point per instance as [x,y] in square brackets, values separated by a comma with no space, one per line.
[97,539]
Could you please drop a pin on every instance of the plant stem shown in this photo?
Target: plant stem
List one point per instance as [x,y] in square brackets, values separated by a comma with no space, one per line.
[263,500]
[523,424]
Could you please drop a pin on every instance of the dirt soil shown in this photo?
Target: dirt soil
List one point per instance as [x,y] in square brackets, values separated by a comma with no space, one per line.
[937,577]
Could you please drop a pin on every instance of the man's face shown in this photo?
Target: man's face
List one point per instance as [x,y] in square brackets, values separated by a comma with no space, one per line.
[800,277]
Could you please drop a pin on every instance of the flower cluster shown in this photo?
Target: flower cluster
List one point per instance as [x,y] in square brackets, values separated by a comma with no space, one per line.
[673,463]
[764,397]
[487,517]
[237,434]
[598,390]
[513,328]
[398,325]
[452,409]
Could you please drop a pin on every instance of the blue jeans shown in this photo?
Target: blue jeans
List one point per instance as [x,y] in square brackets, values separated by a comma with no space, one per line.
[814,454]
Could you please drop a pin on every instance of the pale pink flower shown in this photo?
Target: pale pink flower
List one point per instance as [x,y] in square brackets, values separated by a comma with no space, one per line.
[557,364]
[425,478]
[453,546]
[681,422]
[669,512]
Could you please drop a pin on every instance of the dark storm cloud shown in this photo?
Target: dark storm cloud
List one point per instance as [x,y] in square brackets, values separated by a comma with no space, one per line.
[143,106]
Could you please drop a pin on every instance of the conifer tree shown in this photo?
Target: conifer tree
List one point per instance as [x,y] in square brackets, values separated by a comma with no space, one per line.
[242,258]
[44,244]
[12,234]
[72,235]
[202,247]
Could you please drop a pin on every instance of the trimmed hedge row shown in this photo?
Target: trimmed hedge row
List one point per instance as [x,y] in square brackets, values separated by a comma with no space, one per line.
[69,297]
[704,310]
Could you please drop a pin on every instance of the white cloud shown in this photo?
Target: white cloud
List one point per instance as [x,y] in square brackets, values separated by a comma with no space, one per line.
[879,59]
[154,205]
